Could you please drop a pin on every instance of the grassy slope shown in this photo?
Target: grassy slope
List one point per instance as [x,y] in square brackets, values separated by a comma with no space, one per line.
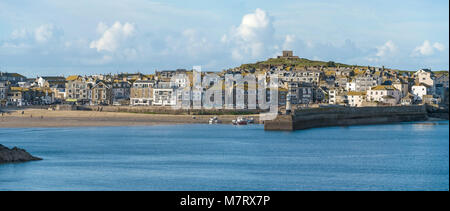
[302,62]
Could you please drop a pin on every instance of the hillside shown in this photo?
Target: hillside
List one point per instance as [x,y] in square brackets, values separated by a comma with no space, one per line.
[302,62]
[297,62]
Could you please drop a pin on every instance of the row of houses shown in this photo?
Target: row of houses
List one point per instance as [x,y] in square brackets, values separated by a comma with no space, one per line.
[423,87]
[304,86]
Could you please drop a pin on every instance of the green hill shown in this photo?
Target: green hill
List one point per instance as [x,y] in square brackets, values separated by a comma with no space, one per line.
[302,62]
[297,62]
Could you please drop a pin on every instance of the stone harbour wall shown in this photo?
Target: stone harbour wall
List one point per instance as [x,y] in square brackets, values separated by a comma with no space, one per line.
[346,116]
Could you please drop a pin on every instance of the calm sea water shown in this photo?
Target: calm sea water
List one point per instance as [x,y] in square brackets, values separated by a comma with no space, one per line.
[407,156]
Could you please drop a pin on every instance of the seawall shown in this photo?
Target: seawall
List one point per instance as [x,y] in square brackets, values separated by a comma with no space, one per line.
[346,116]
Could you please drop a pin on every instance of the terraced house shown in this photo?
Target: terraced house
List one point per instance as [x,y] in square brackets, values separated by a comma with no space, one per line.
[77,89]
[4,86]
[141,93]
[383,94]
[13,78]
[19,96]
[164,94]
[101,93]
[121,92]
[356,99]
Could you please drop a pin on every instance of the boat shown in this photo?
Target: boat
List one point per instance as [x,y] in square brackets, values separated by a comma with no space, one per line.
[214,120]
[251,120]
[240,121]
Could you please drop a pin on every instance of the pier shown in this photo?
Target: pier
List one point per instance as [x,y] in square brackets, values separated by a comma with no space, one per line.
[345,116]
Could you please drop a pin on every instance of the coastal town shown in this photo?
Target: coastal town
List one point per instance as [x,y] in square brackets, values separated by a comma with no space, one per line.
[301,83]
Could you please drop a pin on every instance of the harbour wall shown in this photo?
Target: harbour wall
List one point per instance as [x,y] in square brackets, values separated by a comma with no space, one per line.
[346,116]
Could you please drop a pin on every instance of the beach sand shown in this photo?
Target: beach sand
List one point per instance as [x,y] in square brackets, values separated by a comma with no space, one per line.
[47,118]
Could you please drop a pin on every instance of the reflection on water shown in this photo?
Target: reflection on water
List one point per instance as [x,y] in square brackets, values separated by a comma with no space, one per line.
[421,126]
[405,156]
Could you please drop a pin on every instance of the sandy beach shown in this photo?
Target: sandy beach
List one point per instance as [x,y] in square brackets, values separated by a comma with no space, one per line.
[47,118]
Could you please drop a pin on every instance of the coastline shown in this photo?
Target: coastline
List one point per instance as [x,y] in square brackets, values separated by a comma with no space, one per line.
[36,118]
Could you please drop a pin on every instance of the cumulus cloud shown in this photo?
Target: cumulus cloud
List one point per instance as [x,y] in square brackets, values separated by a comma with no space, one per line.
[19,34]
[40,34]
[112,37]
[427,49]
[43,33]
[388,48]
[288,41]
[253,37]
[194,43]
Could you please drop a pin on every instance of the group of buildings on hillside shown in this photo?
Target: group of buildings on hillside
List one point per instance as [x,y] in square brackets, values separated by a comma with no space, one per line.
[301,86]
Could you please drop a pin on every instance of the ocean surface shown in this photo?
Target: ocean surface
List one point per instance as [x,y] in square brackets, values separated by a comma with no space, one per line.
[406,156]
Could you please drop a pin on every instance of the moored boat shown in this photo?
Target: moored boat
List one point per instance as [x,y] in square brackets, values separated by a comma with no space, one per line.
[214,120]
[241,121]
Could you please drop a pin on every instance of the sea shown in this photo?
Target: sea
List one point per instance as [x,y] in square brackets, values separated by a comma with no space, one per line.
[403,156]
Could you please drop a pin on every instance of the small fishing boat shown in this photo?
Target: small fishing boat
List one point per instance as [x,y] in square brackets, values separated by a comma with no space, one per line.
[240,121]
[214,120]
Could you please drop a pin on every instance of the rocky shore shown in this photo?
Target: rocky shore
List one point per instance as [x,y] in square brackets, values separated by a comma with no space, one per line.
[15,154]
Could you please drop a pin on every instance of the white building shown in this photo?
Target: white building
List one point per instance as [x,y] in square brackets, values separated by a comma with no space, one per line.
[309,76]
[364,83]
[164,97]
[420,90]
[425,76]
[356,99]
[381,92]
[350,86]
[332,96]
[402,87]
[141,93]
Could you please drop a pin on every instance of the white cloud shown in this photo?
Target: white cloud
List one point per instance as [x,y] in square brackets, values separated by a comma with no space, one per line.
[105,59]
[101,28]
[112,37]
[253,37]
[387,49]
[288,42]
[44,33]
[439,46]
[19,34]
[427,49]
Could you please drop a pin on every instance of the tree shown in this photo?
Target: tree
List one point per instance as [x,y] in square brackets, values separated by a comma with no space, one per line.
[331,64]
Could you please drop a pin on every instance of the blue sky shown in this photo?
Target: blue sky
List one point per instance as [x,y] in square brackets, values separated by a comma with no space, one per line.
[59,37]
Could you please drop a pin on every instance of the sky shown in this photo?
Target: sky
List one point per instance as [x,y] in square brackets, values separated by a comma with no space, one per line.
[61,37]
